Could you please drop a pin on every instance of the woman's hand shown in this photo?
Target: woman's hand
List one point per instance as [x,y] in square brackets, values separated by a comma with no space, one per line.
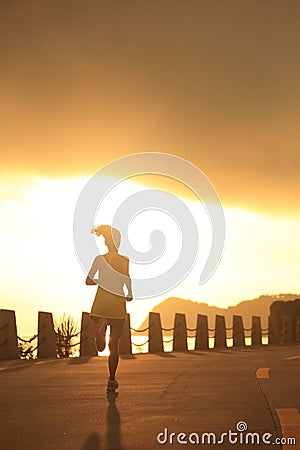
[89,281]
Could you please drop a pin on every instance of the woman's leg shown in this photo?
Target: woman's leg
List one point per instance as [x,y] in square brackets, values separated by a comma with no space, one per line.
[116,327]
[100,325]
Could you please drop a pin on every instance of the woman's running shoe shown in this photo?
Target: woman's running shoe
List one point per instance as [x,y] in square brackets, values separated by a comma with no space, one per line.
[112,385]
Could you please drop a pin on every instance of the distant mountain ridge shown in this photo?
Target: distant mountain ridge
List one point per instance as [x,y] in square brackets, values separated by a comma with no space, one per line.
[247,308]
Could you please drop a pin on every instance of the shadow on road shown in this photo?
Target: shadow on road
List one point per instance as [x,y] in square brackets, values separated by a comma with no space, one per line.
[80,360]
[92,442]
[127,356]
[165,355]
[197,353]
[113,423]
[16,369]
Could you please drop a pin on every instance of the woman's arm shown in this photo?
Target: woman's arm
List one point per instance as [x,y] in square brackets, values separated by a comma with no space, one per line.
[90,278]
[128,281]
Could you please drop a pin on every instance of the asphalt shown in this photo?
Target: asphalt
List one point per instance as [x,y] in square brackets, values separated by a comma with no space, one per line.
[62,404]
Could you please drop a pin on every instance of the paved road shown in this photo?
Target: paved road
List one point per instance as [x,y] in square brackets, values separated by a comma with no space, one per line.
[62,404]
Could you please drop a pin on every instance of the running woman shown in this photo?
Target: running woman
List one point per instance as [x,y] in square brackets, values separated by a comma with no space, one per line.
[109,307]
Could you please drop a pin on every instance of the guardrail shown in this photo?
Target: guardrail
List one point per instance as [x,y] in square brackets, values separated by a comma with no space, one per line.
[202,334]
[281,330]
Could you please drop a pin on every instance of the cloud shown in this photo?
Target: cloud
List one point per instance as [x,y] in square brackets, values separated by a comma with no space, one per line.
[216,84]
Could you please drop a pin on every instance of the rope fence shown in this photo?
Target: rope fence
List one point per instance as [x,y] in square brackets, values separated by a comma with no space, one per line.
[41,341]
[210,330]
[141,345]
[189,337]
[167,341]
[63,340]
[78,343]
[139,331]
[27,341]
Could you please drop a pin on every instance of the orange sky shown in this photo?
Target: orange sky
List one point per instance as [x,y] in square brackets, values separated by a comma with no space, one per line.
[83,83]
[215,82]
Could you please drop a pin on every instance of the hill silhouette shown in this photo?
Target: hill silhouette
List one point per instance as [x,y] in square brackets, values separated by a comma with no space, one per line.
[257,307]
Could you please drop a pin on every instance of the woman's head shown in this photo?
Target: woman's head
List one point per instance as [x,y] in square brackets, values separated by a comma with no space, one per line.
[111,235]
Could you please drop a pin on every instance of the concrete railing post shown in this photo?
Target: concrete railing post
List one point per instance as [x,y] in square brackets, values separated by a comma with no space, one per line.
[201,342]
[87,339]
[238,332]
[297,337]
[180,333]
[274,329]
[297,319]
[155,333]
[256,334]
[8,335]
[46,336]
[220,332]
[125,347]
[286,330]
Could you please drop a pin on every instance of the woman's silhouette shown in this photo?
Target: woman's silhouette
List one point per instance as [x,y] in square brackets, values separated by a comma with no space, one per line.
[109,307]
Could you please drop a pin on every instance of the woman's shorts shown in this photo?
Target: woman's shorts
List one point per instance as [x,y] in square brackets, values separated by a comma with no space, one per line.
[115,324]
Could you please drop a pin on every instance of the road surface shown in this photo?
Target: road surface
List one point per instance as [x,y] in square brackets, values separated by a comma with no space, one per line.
[62,404]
